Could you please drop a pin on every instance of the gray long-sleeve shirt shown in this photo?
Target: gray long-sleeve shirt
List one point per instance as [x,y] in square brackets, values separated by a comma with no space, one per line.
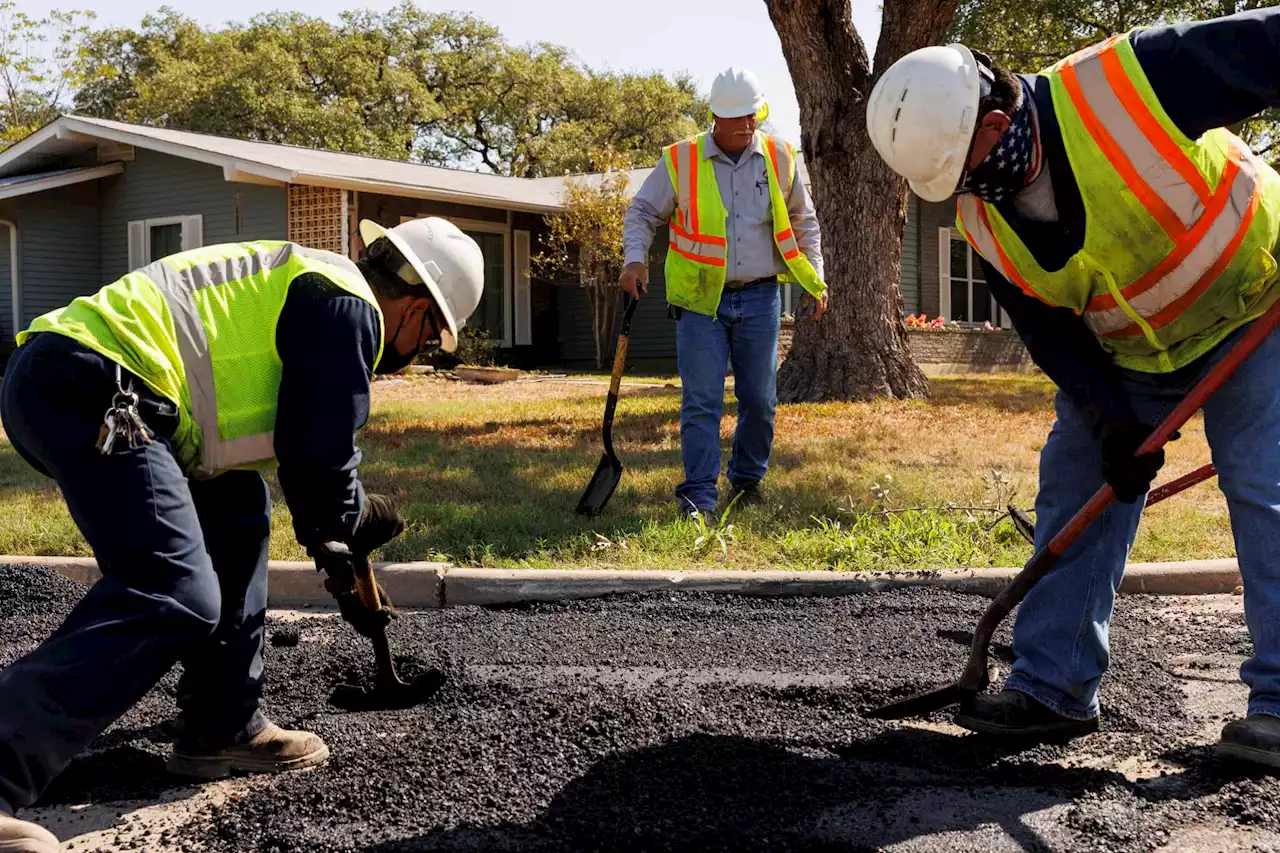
[744,188]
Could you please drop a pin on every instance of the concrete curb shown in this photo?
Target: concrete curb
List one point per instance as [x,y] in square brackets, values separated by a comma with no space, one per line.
[436,585]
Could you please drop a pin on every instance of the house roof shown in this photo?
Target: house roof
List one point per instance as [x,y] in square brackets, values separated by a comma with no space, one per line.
[271,163]
[17,185]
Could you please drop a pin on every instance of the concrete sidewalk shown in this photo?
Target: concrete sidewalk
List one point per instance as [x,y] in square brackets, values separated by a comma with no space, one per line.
[437,585]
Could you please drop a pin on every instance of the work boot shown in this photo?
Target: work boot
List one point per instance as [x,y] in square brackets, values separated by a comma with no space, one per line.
[1255,739]
[750,496]
[19,836]
[1015,714]
[273,750]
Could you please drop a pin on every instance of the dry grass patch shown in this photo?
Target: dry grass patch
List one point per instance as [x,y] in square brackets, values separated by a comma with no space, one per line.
[490,475]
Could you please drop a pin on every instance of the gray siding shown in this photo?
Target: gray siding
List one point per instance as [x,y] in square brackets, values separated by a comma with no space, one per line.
[910,284]
[58,238]
[156,185]
[932,217]
[7,326]
[653,336]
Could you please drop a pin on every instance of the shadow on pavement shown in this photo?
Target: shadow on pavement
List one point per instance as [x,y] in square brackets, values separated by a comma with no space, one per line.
[707,793]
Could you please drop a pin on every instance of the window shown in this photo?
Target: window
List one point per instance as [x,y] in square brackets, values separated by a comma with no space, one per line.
[963,293]
[153,239]
[494,313]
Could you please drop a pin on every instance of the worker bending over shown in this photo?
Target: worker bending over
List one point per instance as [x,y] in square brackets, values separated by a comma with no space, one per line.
[743,223]
[209,365]
[1131,239]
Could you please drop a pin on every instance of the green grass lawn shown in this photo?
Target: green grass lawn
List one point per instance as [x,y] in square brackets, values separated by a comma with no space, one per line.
[490,476]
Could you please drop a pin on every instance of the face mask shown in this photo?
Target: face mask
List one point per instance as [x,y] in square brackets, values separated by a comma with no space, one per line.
[1005,170]
[393,361]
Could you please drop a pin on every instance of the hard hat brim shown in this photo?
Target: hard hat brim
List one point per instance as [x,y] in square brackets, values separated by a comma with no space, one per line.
[370,231]
[939,189]
[759,110]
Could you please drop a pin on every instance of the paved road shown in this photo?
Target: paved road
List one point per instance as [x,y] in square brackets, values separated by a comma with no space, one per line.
[693,723]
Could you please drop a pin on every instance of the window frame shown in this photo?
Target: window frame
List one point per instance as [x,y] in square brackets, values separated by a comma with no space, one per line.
[946,237]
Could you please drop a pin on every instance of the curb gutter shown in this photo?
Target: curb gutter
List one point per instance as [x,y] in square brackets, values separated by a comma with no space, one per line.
[437,585]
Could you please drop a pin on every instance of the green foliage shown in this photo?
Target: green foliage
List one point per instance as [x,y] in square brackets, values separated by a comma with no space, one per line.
[41,60]
[442,88]
[1028,35]
[584,243]
[475,347]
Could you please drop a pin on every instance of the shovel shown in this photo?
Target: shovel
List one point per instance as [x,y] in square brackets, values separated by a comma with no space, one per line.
[976,676]
[1027,527]
[609,471]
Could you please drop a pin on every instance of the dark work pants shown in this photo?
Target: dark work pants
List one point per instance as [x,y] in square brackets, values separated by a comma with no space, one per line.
[184,565]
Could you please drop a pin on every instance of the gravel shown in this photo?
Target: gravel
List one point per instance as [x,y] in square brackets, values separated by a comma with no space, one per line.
[694,722]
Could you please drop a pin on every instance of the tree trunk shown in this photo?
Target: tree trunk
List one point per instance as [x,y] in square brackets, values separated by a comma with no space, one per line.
[859,350]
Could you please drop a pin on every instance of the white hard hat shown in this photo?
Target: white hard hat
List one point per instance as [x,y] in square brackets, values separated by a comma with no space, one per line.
[444,259]
[921,117]
[737,93]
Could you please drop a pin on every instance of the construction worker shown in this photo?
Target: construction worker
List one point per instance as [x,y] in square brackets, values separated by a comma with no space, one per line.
[208,364]
[743,223]
[1131,239]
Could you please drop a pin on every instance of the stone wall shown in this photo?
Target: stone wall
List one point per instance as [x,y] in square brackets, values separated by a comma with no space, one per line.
[953,351]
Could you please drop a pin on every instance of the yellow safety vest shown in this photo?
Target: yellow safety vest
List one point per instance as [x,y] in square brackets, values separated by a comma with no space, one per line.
[1179,233]
[695,268]
[199,328]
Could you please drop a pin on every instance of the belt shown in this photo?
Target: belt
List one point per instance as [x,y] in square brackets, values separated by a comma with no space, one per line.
[742,285]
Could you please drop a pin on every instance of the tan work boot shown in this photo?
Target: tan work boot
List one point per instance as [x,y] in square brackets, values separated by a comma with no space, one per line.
[274,750]
[18,836]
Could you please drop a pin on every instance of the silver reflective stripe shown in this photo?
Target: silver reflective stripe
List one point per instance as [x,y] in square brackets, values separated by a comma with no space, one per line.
[980,237]
[701,248]
[1150,165]
[178,288]
[683,154]
[1206,252]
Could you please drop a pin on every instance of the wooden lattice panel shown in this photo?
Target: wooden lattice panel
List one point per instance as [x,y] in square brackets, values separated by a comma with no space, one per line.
[316,217]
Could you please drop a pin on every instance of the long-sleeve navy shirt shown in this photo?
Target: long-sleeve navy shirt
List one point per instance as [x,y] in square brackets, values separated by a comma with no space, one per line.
[1206,74]
[328,342]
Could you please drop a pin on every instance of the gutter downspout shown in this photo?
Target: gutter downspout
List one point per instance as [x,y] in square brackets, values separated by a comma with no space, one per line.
[15,288]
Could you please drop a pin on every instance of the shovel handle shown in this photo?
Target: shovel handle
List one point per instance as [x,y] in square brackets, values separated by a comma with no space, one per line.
[975,671]
[366,586]
[615,380]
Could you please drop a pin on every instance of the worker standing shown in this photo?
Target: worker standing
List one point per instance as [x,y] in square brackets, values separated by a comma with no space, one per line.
[1131,239]
[209,365]
[743,223]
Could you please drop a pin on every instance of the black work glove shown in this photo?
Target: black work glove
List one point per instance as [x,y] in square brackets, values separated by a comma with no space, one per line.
[336,560]
[379,524]
[1128,475]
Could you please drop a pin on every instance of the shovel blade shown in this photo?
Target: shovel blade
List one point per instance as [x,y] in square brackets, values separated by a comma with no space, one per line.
[921,705]
[395,695]
[606,478]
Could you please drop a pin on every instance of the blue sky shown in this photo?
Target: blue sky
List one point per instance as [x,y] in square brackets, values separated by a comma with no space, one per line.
[700,38]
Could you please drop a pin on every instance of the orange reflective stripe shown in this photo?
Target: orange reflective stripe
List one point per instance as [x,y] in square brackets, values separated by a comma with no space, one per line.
[1151,200]
[784,235]
[702,259]
[1159,138]
[1092,50]
[1175,308]
[698,238]
[1006,266]
[1188,242]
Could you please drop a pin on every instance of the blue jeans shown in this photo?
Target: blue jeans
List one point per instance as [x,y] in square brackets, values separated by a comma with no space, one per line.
[1060,636]
[184,567]
[744,332]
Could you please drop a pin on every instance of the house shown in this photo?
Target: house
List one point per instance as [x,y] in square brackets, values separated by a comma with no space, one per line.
[85,200]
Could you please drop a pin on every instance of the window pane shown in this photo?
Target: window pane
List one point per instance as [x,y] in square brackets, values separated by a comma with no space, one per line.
[166,240]
[981,302]
[978,274]
[959,300]
[488,315]
[959,258]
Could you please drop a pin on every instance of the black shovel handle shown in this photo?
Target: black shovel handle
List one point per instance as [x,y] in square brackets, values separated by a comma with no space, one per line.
[975,672]
[615,380]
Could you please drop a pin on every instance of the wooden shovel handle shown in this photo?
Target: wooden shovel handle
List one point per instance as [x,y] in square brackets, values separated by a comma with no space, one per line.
[366,586]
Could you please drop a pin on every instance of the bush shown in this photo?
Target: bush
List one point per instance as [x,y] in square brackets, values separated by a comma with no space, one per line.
[475,347]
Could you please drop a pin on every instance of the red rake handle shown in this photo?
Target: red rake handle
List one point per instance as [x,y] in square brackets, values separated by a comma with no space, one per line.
[1181,484]
[975,671]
